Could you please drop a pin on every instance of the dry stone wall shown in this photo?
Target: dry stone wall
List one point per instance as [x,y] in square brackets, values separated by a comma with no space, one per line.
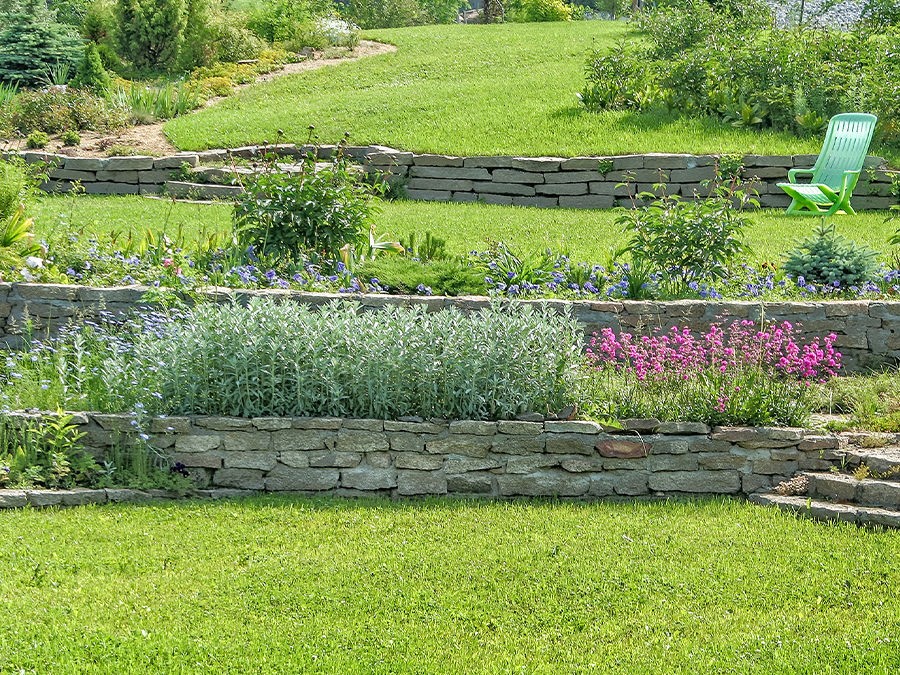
[868,331]
[578,182]
[414,457]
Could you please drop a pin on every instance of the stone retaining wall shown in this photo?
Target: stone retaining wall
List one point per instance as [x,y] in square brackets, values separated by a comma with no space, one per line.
[868,332]
[579,182]
[471,458]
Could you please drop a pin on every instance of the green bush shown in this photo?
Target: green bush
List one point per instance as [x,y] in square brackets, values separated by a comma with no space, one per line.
[56,110]
[827,258]
[91,74]
[687,241]
[147,104]
[37,140]
[314,212]
[283,359]
[70,138]
[401,274]
[16,188]
[162,35]
[44,453]
[539,10]
[32,42]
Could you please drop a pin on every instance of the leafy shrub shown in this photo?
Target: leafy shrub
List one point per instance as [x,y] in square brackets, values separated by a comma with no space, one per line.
[56,110]
[37,140]
[214,86]
[44,453]
[687,241]
[881,13]
[91,74]
[401,274]
[743,374]
[284,359]
[16,187]
[287,20]
[315,211]
[539,10]
[829,258]
[154,34]
[234,42]
[70,138]
[32,42]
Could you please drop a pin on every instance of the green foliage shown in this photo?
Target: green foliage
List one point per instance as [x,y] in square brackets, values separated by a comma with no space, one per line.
[314,211]
[16,187]
[151,33]
[43,453]
[71,12]
[539,10]
[729,63]
[291,22]
[55,110]
[32,41]
[829,258]
[272,358]
[37,140]
[408,276]
[880,14]
[399,13]
[687,241]
[91,73]
[70,138]
[147,103]
[134,463]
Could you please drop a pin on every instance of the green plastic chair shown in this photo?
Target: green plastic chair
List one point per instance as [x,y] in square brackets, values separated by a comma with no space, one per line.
[837,169]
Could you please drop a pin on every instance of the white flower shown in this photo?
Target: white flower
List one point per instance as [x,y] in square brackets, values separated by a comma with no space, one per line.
[34,262]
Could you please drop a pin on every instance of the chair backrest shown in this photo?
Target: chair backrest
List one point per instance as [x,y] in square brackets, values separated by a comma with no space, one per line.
[846,144]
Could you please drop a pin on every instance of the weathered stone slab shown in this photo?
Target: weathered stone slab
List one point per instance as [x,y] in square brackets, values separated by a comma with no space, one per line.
[271,423]
[707,482]
[369,478]
[519,428]
[136,163]
[569,444]
[198,443]
[303,439]
[473,427]
[240,441]
[263,460]
[421,483]
[572,427]
[466,464]
[420,462]
[548,482]
[512,176]
[284,478]
[620,448]
[470,484]
[518,445]
[244,479]
[460,444]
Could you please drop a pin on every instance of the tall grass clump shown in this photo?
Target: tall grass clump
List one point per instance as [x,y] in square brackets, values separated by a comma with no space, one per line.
[284,359]
[150,103]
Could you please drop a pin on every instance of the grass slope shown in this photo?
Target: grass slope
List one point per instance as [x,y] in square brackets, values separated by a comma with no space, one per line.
[466,90]
[273,585]
[586,235]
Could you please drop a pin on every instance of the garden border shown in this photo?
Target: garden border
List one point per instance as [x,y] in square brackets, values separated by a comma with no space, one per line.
[548,182]
[868,331]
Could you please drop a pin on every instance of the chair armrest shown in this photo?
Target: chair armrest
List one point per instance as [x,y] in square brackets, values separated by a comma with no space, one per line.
[848,181]
[792,173]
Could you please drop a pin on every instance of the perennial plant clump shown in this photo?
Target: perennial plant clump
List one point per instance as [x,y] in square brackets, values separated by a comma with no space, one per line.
[734,374]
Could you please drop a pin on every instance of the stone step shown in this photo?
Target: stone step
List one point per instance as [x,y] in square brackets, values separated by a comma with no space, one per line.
[830,512]
[841,488]
[883,463]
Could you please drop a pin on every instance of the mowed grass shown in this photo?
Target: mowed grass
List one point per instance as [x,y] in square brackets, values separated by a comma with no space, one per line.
[274,585]
[586,235]
[467,90]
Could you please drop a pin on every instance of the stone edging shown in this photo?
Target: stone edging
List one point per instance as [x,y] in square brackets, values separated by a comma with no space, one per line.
[868,331]
[524,181]
[516,458]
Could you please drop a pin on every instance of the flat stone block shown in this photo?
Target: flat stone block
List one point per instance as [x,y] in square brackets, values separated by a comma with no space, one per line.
[324,423]
[82,496]
[264,460]
[620,448]
[683,428]
[706,482]
[437,160]
[470,484]
[419,462]
[582,464]
[569,444]
[118,176]
[84,164]
[349,440]
[537,164]
[138,163]
[587,202]
[421,483]
[271,423]
[486,188]
[303,439]
[369,478]
[572,177]
[223,423]
[406,443]
[473,427]
[240,441]
[518,445]
[519,177]
[460,444]
[519,428]
[284,478]
[545,483]
[465,464]
[622,483]
[532,463]
[536,202]
[198,443]
[204,460]
[42,498]
[438,185]
[415,427]
[429,195]
[244,479]
[176,161]
[449,173]
[562,189]
[363,425]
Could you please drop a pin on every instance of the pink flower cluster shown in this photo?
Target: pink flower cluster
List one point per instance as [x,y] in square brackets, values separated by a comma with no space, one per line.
[738,346]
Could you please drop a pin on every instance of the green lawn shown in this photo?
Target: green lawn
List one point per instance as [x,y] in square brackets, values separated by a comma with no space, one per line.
[274,585]
[586,235]
[466,90]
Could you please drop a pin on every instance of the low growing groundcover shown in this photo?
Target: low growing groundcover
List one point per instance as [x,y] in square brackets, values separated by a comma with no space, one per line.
[278,584]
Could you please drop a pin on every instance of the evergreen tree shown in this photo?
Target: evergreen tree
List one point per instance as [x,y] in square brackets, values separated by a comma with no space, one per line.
[151,32]
[91,73]
[32,41]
